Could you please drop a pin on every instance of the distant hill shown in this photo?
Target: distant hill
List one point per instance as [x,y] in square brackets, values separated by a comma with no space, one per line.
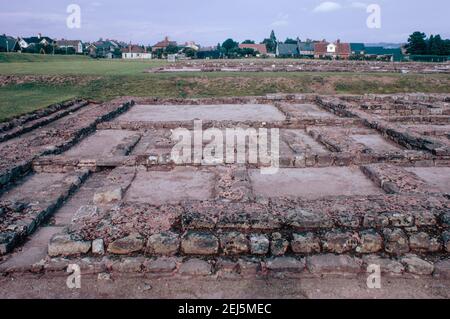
[385,45]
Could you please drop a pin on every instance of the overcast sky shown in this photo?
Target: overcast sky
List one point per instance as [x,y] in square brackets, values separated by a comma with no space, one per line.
[210,21]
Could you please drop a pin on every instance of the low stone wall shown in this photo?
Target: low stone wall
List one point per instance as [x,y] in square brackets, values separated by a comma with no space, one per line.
[25,124]
[297,65]
[60,139]
[18,220]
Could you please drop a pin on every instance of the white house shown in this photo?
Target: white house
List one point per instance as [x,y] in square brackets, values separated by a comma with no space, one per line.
[135,52]
[25,43]
[331,48]
[77,45]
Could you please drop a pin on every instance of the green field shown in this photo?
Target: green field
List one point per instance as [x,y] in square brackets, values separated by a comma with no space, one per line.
[102,80]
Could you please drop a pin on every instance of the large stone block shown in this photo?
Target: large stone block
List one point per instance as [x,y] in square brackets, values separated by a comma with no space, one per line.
[127,245]
[259,244]
[333,264]
[370,242]
[199,243]
[418,266]
[234,243]
[166,243]
[303,220]
[285,264]
[195,267]
[339,242]
[305,243]
[64,245]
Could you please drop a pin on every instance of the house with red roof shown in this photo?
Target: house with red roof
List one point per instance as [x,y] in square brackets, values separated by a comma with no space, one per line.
[162,45]
[334,50]
[261,48]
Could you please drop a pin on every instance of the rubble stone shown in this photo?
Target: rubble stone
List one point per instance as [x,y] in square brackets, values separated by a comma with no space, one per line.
[396,241]
[279,245]
[424,218]
[302,220]
[446,239]
[445,220]
[370,242]
[305,244]
[259,244]
[375,221]
[109,196]
[400,219]
[98,247]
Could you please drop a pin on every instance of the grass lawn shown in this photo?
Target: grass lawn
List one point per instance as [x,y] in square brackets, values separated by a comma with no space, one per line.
[106,79]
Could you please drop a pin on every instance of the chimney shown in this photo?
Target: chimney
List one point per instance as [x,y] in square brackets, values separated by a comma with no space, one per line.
[338,41]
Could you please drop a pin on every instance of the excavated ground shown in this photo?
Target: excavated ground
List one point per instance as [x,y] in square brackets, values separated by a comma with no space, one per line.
[362,180]
[305,65]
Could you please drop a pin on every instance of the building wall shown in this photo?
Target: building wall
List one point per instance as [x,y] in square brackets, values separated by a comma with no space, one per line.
[132,56]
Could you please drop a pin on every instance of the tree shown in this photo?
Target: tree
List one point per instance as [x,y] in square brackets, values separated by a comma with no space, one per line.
[290,41]
[417,44]
[248,42]
[229,45]
[437,46]
[172,49]
[190,53]
[273,38]
[271,42]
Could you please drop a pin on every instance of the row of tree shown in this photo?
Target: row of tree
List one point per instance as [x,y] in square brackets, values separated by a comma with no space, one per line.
[419,44]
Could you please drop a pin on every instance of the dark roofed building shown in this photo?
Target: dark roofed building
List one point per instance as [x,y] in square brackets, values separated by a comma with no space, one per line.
[33,41]
[306,48]
[8,44]
[394,54]
[357,48]
[208,53]
[286,50]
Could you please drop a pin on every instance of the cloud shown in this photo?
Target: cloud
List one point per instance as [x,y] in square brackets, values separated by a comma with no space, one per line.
[25,16]
[281,20]
[327,6]
[359,5]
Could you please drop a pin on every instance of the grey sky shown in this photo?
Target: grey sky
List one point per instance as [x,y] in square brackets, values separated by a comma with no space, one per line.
[210,21]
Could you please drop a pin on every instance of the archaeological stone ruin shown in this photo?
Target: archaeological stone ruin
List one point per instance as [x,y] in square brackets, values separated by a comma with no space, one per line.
[361,180]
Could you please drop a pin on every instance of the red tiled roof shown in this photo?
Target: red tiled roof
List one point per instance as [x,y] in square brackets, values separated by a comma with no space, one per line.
[343,48]
[261,48]
[133,49]
[320,48]
[164,44]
